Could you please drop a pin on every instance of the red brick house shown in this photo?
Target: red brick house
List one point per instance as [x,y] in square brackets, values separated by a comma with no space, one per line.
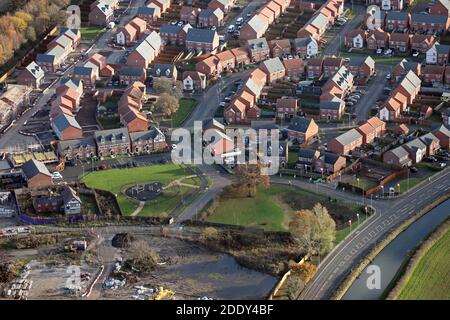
[241,56]
[422,43]
[377,39]
[295,68]
[346,142]
[209,66]
[302,130]
[287,107]
[440,8]
[66,127]
[280,47]
[189,15]
[204,40]
[429,23]
[149,13]
[162,4]
[443,134]
[101,13]
[398,157]
[174,34]
[209,18]
[83,148]
[331,65]
[36,174]
[433,74]
[224,5]
[226,59]
[254,29]
[274,69]
[397,20]
[32,75]
[314,67]
[362,68]
[112,142]
[356,39]
[399,41]
[148,141]
[258,49]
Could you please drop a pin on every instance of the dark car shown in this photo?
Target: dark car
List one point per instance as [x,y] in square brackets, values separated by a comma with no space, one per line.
[414,169]
[103,166]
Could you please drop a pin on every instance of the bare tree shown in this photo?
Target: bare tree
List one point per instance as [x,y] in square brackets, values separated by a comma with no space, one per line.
[142,256]
[169,87]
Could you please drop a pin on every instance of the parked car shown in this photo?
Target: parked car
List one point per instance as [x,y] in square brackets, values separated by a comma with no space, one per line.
[388,76]
[57,175]
[379,51]
[414,169]
[415,54]
[103,166]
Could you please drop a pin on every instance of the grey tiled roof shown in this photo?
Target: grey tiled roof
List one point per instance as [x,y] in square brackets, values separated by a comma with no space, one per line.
[349,137]
[397,15]
[273,65]
[306,153]
[443,129]
[45,58]
[427,18]
[299,124]
[303,42]
[357,61]
[146,11]
[84,71]
[144,49]
[442,48]
[33,167]
[400,152]
[64,121]
[330,158]
[120,135]
[263,124]
[258,24]
[56,51]
[256,45]
[151,134]
[201,35]
[77,143]
[131,71]
[171,29]
[333,104]
[415,144]
[165,70]
[428,138]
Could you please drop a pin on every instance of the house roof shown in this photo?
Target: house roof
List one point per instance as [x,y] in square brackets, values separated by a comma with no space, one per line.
[429,138]
[150,11]
[444,130]
[319,21]
[35,70]
[120,135]
[189,10]
[171,29]
[418,38]
[71,33]
[408,65]
[434,69]
[77,143]
[356,32]
[442,48]
[258,44]
[378,35]
[397,15]
[349,137]
[303,42]
[375,122]
[145,50]
[64,121]
[334,104]
[282,43]
[264,124]
[293,63]
[402,127]
[71,83]
[194,75]
[45,58]
[400,37]
[208,123]
[82,70]
[68,194]
[166,70]
[400,152]
[445,3]
[258,76]
[63,40]
[415,145]
[273,65]
[287,102]
[33,167]
[131,71]
[253,87]
[154,39]
[201,35]
[358,61]
[146,135]
[413,78]
[239,52]
[366,128]
[428,18]
[307,153]
[258,24]
[205,13]
[225,55]
[315,62]
[332,61]
[330,158]
[300,124]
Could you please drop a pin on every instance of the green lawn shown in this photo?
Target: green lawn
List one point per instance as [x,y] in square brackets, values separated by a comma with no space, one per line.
[89,33]
[116,180]
[109,122]
[378,59]
[186,108]
[271,209]
[430,280]
[364,183]
[342,233]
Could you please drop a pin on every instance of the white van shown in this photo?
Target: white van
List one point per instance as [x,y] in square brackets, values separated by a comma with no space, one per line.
[231,28]
[239,21]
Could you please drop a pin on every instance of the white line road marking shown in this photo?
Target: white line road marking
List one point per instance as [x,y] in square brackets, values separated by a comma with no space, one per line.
[372,234]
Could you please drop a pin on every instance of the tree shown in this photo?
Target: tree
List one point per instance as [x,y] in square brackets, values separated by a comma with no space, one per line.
[167,104]
[306,271]
[169,87]
[248,178]
[315,228]
[142,256]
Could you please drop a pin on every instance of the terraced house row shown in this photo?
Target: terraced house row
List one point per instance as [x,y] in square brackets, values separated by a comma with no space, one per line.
[266,15]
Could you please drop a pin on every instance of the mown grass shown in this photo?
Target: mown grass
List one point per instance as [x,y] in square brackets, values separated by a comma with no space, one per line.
[430,279]
[115,180]
[183,112]
[272,208]
[89,33]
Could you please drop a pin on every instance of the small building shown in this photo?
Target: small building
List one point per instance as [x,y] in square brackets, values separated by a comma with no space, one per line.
[302,130]
[66,127]
[112,142]
[273,68]
[295,68]
[346,142]
[416,149]
[166,71]
[149,141]
[432,142]
[203,40]
[287,107]
[438,54]
[36,174]
[443,134]
[398,157]
[306,47]
[259,49]
[77,149]
[279,48]
[194,81]
[254,29]
[32,75]
[329,163]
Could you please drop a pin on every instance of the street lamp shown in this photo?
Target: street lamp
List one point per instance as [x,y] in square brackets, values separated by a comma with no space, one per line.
[357,216]
[382,191]
[350,225]
[398,185]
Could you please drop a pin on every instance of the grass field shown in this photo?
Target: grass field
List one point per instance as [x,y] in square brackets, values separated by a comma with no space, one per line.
[392,61]
[89,33]
[115,180]
[186,108]
[430,280]
[272,208]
